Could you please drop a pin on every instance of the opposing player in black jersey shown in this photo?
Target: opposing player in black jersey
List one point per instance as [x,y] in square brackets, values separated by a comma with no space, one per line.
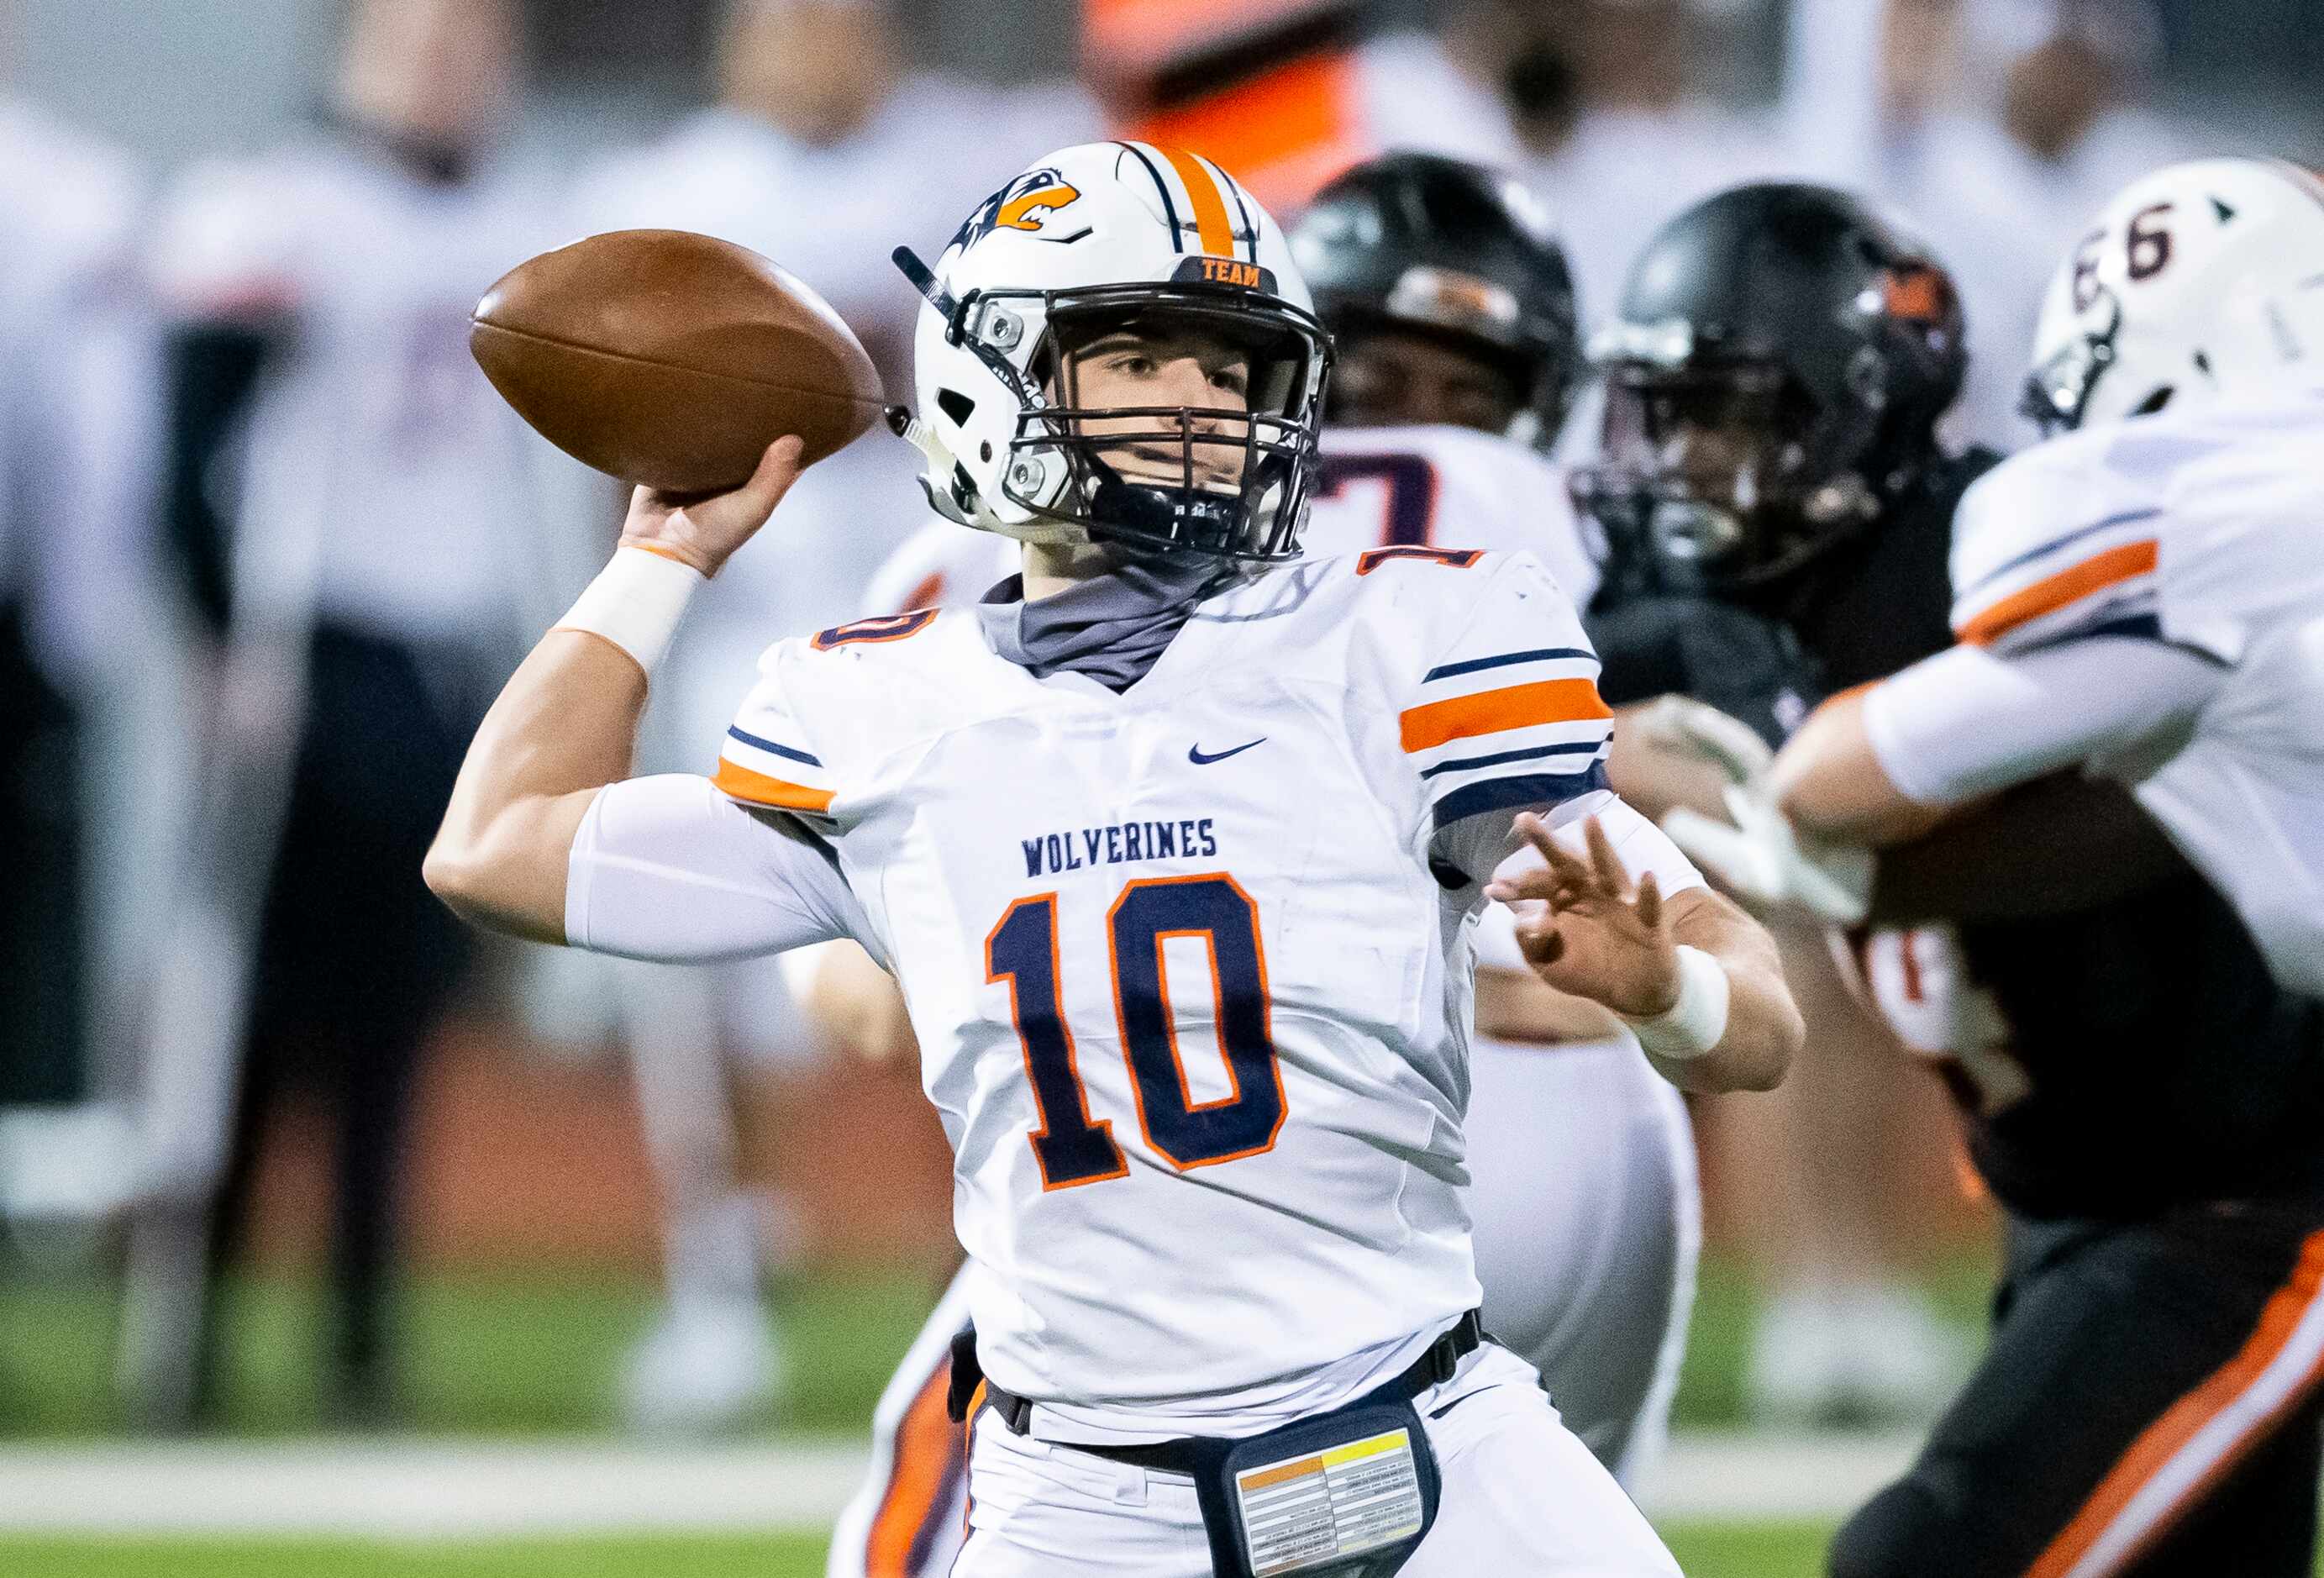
[1774,505]
[2140,1094]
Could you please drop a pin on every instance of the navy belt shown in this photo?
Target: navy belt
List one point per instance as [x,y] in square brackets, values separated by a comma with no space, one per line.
[1193,1453]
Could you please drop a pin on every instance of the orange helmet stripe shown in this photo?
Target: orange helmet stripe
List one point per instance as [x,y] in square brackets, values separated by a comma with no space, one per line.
[1211,221]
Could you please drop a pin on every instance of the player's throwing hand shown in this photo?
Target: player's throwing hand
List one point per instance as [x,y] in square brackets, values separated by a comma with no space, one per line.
[1599,937]
[704,532]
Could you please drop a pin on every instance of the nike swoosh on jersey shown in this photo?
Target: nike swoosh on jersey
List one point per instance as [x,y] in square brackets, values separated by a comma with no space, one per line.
[1200,758]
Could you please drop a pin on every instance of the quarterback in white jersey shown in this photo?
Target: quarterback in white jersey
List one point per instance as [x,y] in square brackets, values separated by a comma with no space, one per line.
[1175,857]
[2140,595]
[1585,1211]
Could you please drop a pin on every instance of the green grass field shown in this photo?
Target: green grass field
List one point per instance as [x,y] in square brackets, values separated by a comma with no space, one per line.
[1773,1551]
[524,1354]
[534,1353]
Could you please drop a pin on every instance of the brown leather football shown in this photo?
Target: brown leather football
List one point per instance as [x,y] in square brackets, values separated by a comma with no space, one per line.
[672,359]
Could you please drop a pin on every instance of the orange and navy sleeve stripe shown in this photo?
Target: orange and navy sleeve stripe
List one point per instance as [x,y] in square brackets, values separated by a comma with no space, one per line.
[761,770]
[2098,578]
[1506,729]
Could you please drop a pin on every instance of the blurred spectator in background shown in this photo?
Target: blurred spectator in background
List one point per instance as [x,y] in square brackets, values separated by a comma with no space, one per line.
[359,513]
[2056,122]
[1609,98]
[825,150]
[78,607]
[1998,125]
[1286,94]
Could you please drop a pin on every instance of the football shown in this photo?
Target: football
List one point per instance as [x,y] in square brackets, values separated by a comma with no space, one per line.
[672,359]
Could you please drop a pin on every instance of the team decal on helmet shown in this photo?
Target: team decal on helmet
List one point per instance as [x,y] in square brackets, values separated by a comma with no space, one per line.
[1026,204]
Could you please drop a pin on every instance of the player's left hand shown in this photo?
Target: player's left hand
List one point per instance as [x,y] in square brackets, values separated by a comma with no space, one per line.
[1599,937]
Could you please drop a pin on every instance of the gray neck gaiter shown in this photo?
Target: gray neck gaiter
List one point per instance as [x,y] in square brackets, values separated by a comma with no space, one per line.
[1111,628]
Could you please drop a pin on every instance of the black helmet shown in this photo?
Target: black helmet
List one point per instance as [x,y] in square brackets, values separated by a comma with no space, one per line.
[1774,381]
[1454,251]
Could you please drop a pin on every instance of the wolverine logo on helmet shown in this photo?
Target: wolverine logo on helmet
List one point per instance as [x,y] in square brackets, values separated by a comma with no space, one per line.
[1026,204]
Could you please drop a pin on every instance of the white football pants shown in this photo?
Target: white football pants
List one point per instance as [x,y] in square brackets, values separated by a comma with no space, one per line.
[1522,1495]
[1588,1224]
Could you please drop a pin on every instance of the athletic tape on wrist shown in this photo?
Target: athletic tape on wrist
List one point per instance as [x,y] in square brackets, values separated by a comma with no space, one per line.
[637,601]
[1692,1025]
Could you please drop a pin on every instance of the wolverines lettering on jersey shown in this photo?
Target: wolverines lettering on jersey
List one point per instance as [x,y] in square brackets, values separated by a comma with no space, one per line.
[1078,848]
[1026,204]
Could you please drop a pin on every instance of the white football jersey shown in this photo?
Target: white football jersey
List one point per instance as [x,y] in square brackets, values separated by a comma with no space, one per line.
[1191,987]
[1437,486]
[2200,528]
[384,483]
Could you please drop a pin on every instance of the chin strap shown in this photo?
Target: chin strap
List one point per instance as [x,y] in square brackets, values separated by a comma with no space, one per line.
[941,462]
[915,432]
[924,281]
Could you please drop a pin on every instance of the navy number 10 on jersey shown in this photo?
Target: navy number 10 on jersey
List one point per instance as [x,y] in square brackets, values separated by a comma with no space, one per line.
[1071,1146]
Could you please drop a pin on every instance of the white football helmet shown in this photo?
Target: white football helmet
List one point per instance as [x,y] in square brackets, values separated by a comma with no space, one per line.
[1088,242]
[2199,280]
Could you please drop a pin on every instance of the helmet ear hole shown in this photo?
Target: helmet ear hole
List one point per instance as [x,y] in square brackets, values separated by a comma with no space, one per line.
[956,406]
[2155,401]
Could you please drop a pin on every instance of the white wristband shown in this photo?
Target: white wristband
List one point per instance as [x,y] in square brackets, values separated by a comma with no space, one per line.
[1692,1025]
[636,603]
